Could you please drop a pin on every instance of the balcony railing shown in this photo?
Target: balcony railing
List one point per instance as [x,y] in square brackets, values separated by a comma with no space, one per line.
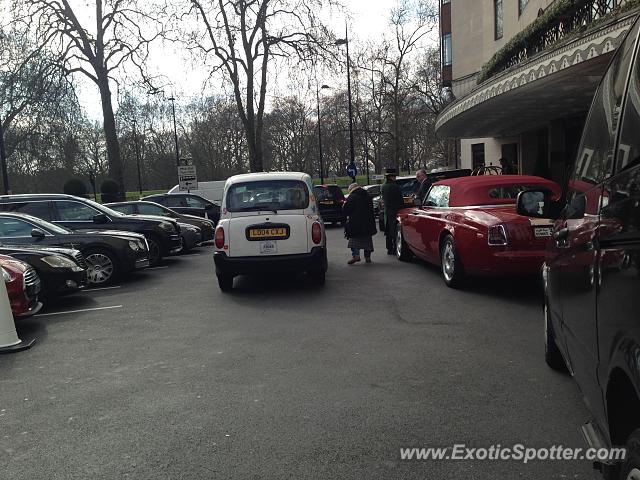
[562,20]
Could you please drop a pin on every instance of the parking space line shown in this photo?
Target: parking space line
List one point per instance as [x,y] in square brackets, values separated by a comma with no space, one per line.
[156,268]
[102,288]
[78,311]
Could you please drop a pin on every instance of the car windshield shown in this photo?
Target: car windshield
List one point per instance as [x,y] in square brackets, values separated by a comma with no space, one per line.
[40,223]
[267,195]
[330,192]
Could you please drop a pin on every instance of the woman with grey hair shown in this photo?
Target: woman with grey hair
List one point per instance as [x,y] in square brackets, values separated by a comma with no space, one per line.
[360,225]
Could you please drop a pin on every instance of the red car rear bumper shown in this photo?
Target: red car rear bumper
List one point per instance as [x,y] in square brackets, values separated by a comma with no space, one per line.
[508,262]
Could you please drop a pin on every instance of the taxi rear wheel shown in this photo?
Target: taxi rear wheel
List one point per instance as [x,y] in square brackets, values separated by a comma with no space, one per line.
[225,282]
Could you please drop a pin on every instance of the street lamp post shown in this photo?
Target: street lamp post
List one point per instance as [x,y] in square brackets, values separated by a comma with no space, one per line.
[345,41]
[175,129]
[3,161]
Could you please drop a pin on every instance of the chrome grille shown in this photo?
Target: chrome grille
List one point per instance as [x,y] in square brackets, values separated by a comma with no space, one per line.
[79,258]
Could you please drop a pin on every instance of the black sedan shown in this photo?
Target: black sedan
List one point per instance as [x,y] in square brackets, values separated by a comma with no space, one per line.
[187,203]
[108,254]
[142,207]
[61,270]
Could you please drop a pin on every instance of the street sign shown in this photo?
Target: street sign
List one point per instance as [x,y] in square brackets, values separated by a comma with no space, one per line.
[187,178]
[377,177]
[352,171]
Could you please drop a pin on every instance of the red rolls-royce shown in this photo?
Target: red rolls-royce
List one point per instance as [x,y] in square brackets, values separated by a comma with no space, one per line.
[469,226]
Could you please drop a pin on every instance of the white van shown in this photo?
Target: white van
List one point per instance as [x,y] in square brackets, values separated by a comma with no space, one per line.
[210,190]
[269,222]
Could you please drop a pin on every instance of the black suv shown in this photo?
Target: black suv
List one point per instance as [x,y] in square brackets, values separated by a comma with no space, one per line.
[330,200]
[187,203]
[163,236]
[592,271]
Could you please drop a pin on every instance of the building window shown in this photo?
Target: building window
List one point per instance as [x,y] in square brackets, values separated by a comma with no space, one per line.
[521,5]
[447,56]
[499,20]
[477,155]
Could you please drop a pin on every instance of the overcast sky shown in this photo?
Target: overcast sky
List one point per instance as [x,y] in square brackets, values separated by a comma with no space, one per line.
[369,18]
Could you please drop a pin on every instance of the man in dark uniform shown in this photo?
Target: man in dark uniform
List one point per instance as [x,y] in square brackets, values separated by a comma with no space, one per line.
[393,202]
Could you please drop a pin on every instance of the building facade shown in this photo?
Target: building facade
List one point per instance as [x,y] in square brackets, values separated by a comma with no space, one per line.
[522,74]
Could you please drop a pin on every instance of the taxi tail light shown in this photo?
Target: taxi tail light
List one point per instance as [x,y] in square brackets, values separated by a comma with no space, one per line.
[497,235]
[316,233]
[219,239]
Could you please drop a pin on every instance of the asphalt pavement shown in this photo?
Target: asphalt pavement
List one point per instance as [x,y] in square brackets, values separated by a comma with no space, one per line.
[165,377]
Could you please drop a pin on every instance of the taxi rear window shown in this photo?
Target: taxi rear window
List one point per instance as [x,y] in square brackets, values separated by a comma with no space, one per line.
[267,195]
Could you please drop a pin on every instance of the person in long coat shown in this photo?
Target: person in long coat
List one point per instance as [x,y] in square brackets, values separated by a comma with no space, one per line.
[360,225]
[393,202]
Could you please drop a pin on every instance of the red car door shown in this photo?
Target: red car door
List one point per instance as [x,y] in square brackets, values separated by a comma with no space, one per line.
[429,222]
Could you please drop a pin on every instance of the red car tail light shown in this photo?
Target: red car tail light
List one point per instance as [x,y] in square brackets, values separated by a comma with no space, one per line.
[219,237]
[497,235]
[316,233]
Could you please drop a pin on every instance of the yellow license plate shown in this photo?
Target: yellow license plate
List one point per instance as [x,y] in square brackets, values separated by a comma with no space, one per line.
[326,202]
[258,233]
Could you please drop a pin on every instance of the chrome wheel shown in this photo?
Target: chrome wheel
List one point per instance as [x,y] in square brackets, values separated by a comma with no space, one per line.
[100,268]
[634,474]
[448,261]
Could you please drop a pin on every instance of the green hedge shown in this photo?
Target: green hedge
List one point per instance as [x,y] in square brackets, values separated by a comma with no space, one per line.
[543,23]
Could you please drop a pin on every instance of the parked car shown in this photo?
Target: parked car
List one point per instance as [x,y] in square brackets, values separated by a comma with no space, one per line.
[281,234]
[61,270]
[191,237]
[108,254]
[23,286]
[330,201]
[410,187]
[207,227]
[592,269]
[188,204]
[81,214]
[210,190]
[469,226]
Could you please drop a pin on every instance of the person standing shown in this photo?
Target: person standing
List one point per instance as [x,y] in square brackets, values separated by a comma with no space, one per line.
[393,202]
[361,224]
[508,168]
[425,184]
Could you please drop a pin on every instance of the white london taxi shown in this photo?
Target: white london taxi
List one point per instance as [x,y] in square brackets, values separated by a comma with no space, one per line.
[269,222]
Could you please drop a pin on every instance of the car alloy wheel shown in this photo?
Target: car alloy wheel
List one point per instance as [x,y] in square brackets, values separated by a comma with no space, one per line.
[448,262]
[100,268]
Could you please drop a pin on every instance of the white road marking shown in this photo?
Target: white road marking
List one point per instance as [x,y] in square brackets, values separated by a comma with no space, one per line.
[78,311]
[102,288]
[157,268]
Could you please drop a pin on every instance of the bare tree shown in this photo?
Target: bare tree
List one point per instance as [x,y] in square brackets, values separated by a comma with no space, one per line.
[246,37]
[120,35]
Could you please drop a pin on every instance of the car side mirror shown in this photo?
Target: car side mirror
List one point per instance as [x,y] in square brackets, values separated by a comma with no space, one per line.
[37,233]
[100,218]
[536,204]
[208,207]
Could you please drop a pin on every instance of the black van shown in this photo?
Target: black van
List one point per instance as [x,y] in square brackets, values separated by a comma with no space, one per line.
[592,271]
